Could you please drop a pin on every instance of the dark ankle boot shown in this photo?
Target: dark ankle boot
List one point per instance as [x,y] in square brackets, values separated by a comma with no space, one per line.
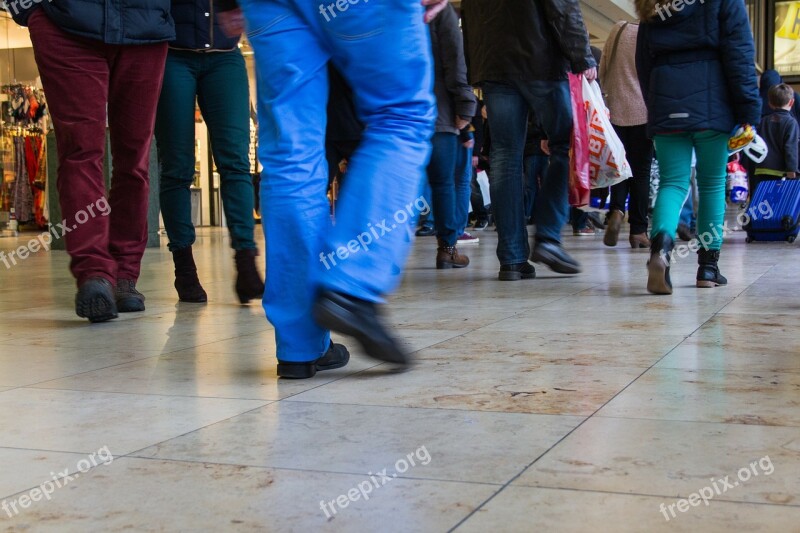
[249,285]
[658,281]
[186,282]
[708,275]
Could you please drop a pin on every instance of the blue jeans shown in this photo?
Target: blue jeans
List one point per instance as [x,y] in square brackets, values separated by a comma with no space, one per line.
[535,167]
[383,51]
[508,104]
[428,219]
[442,177]
[463,185]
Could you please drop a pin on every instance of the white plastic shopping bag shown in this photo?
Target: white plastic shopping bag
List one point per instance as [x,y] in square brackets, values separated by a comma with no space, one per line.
[607,163]
[483,181]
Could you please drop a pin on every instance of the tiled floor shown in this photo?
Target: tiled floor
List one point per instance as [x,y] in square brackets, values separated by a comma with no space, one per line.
[555,404]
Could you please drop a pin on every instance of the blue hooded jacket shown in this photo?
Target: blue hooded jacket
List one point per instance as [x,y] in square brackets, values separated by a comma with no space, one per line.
[769,79]
[696,68]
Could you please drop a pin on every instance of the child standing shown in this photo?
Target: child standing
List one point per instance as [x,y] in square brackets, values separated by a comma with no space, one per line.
[781,133]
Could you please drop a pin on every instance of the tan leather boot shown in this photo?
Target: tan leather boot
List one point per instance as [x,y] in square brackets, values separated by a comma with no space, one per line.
[639,240]
[615,219]
[448,257]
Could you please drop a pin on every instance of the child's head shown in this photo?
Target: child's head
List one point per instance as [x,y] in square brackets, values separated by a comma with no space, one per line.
[781,96]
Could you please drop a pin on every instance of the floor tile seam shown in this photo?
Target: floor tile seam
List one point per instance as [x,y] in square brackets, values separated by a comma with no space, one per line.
[148,394]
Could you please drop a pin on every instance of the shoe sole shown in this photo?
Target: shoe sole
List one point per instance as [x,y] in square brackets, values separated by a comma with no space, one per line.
[510,275]
[708,284]
[639,245]
[554,264]
[584,234]
[657,278]
[467,243]
[328,315]
[445,266]
[97,309]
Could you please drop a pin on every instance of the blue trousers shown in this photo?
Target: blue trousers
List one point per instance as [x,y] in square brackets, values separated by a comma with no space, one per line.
[450,185]
[383,51]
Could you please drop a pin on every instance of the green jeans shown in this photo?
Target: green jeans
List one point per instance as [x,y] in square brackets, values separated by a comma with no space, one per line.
[218,81]
[674,153]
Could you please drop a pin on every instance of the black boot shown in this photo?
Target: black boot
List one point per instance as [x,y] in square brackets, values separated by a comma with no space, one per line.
[658,281]
[186,282]
[708,275]
[95,300]
[249,285]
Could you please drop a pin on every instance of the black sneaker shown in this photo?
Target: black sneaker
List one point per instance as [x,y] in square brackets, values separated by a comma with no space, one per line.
[426,231]
[129,300]
[360,319]
[95,300]
[337,356]
[480,225]
[554,256]
[517,271]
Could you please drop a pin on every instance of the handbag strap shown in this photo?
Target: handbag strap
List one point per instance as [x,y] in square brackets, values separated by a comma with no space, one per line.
[616,42]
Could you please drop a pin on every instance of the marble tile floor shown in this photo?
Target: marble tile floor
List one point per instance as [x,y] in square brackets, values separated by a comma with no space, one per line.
[556,404]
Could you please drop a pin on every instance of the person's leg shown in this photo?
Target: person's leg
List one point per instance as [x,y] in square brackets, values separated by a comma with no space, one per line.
[463,179]
[292,96]
[478,207]
[530,187]
[639,150]
[136,75]
[712,159]
[674,163]
[75,74]
[223,96]
[550,100]
[175,136]
[370,45]
[508,118]
[442,176]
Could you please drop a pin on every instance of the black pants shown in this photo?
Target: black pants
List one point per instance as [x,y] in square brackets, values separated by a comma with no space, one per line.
[639,152]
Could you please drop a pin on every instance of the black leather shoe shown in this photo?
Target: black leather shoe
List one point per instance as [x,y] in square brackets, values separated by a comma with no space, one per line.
[426,231]
[129,300]
[517,271]
[360,319]
[337,356]
[555,257]
[95,300]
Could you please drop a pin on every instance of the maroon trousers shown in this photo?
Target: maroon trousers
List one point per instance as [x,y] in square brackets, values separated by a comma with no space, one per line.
[81,78]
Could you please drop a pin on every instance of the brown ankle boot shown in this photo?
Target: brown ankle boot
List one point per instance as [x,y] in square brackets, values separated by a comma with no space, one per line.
[615,219]
[639,240]
[448,257]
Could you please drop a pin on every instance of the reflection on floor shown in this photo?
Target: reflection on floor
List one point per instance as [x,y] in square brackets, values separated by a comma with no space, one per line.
[555,404]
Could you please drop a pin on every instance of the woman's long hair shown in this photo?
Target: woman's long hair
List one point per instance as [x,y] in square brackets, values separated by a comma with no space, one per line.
[646,9]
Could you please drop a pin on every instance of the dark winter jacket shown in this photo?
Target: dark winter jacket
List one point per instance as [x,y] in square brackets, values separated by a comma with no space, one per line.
[781,133]
[524,40]
[696,68]
[196,27]
[770,78]
[454,96]
[110,21]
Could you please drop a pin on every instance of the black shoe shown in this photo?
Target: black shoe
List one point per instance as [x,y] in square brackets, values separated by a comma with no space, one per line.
[95,300]
[658,280]
[337,356]
[517,271]
[480,225]
[708,275]
[129,300]
[249,285]
[186,282]
[360,319]
[426,231]
[555,257]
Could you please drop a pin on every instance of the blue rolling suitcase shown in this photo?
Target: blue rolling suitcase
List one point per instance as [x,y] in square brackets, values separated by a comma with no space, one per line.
[774,211]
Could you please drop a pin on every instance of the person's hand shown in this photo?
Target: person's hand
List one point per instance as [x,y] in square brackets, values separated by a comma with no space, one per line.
[545,146]
[433,8]
[469,144]
[231,22]
[475,161]
[590,74]
[461,123]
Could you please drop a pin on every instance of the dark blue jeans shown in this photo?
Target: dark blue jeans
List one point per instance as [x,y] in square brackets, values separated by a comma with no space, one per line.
[442,174]
[535,168]
[508,104]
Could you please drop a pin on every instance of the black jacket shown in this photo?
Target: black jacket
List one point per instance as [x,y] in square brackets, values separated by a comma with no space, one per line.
[196,27]
[525,40]
[697,68]
[780,131]
[109,21]
[454,96]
